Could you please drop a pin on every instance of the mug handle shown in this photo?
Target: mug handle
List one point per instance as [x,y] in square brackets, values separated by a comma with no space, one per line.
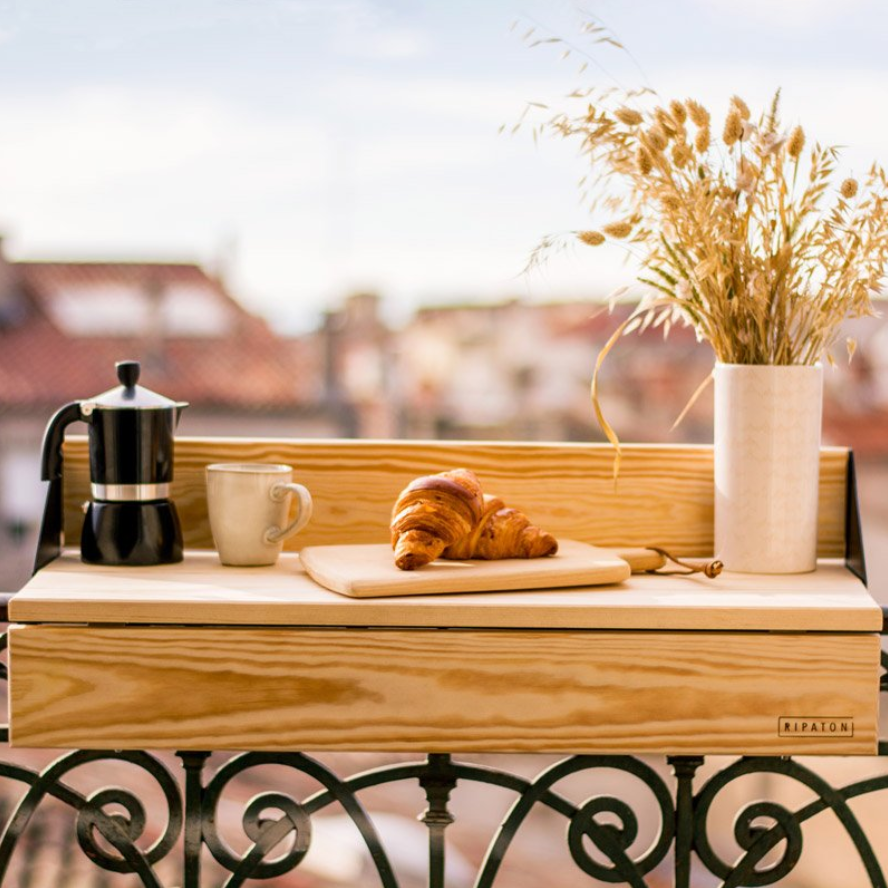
[303,516]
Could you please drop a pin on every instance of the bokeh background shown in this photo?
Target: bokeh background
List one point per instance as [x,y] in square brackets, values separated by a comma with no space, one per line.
[312,218]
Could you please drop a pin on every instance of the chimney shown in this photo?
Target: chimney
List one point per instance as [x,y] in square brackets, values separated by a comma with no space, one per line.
[154,337]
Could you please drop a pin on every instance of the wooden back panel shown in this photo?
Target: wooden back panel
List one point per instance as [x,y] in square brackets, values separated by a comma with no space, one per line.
[664,495]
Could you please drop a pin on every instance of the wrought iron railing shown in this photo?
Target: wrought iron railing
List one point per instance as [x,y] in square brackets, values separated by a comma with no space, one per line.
[110,823]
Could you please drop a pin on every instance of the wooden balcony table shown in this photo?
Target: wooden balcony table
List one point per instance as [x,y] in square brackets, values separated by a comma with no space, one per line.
[197,657]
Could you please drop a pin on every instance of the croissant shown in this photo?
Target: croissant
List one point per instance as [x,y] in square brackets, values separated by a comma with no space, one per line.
[447,515]
[432,513]
[502,533]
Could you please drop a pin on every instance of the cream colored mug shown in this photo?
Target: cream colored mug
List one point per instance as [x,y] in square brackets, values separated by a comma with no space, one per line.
[249,504]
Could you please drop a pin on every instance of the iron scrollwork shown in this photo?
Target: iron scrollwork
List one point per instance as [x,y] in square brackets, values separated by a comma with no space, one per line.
[93,821]
[600,831]
[267,832]
[757,840]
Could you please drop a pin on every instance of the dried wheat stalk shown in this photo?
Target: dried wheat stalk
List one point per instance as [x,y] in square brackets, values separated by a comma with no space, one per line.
[739,234]
[734,238]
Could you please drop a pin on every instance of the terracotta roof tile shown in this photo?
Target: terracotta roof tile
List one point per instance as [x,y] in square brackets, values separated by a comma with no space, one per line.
[249,368]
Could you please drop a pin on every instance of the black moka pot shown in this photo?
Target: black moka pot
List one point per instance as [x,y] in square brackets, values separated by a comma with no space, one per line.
[130,519]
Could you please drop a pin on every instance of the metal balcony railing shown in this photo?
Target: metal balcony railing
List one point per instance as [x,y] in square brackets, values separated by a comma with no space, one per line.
[110,823]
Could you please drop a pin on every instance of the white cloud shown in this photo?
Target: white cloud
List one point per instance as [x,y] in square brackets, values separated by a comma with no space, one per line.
[129,164]
[790,14]
[396,183]
[434,98]
[359,29]
[381,44]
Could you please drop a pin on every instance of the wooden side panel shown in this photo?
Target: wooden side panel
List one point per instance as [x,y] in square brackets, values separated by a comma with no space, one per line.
[449,690]
[664,495]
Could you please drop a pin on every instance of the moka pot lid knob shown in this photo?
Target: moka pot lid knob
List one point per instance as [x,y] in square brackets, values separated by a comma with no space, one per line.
[129,395]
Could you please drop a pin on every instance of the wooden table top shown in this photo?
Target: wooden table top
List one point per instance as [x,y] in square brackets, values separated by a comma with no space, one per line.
[200,591]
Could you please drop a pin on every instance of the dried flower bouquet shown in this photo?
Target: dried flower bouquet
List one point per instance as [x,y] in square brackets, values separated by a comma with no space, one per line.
[738,233]
[733,234]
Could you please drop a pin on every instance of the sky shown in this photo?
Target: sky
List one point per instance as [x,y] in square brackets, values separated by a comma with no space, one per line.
[312,148]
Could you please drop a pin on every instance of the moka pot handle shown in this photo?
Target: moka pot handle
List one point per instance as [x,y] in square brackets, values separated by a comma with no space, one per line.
[54,437]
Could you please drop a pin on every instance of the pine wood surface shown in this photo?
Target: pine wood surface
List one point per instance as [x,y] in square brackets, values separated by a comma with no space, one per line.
[201,591]
[663,498]
[421,690]
[368,571]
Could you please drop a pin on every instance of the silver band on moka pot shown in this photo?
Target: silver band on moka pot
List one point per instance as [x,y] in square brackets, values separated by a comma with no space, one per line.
[129,493]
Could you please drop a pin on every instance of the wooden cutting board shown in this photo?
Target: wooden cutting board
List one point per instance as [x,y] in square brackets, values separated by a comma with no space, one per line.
[368,571]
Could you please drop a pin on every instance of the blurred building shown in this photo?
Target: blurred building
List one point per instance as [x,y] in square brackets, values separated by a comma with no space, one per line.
[514,370]
[356,351]
[64,324]
[520,370]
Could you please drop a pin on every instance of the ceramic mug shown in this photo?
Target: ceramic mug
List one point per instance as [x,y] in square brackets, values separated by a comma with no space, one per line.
[248,504]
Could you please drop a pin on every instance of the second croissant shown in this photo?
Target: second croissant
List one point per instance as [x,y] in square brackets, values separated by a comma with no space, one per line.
[448,515]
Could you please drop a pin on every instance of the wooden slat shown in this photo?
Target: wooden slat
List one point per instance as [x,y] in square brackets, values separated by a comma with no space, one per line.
[416,690]
[201,591]
[664,495]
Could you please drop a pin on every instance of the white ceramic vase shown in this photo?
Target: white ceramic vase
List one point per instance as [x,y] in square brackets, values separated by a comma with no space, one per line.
[767,466]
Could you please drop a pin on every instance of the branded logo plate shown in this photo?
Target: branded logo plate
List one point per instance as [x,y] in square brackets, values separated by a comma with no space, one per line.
[815,726]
